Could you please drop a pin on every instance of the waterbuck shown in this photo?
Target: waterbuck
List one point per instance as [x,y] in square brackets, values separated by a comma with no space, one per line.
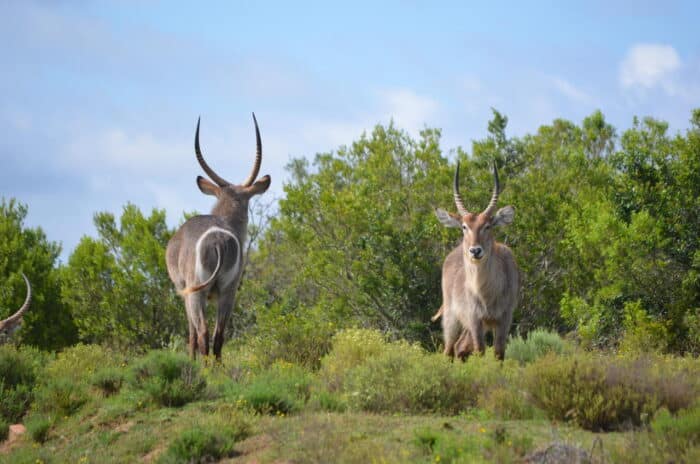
[480,280]
[11,324]
[205,257]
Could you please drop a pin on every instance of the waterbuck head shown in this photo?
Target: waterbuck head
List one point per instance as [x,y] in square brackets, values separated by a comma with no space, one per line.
[232,199]
[477,227]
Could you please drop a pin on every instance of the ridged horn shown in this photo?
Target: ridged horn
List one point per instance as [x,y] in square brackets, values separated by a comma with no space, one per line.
[458,198]
[210,172]
[10,322]
[491,208]
[258,156]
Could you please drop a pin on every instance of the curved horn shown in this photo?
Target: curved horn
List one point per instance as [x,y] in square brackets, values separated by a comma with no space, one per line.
[210,172]
[496,190]
[10,322]
[258,156]
[458,198]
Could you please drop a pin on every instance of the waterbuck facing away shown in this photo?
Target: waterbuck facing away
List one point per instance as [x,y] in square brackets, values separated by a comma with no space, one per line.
[205,256]
[480,280]
[11,324]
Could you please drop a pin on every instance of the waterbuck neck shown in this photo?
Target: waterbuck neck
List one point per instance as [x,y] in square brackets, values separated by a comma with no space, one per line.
[235,213]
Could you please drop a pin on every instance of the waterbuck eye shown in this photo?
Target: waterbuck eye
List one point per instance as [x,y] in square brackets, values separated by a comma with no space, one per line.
[464,227]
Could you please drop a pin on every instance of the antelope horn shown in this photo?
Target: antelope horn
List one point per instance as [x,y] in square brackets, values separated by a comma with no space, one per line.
[10,322]
[458,198]
[210,172]
[258,156]
[496,190]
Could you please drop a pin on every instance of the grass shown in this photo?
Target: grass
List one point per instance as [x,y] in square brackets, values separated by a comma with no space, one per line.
[370,400]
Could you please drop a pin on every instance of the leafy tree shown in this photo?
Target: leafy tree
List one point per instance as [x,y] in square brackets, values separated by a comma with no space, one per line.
[357,237]
[48,324]
[117,285]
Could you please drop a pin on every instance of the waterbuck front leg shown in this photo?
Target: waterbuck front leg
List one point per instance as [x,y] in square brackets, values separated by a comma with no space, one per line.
[501,337]
[225,305]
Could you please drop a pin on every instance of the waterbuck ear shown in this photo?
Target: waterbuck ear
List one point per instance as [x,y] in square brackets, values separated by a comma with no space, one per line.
[260,186]
[448,219]
[503,216]
[207,187]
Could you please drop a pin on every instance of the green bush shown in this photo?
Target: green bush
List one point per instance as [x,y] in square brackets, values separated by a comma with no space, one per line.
[600,393]
[108,380]
[281,389]
[4,429]
[507,403]
[350,348]
[209,442]
[38,428]
[60,396]
[169,379]
[365,372]
[80,362]
[19,370]
[539,342]
[679,431]
[302,337]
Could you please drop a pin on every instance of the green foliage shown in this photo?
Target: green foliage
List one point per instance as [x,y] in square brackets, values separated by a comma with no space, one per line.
[199,445]
[108,380]
[539,342]
[366,372]
[507,402]
[60,396]
[600,393]
[48,323]
[169,379]
[4,429]
[302,337]
[38,427]
[281,389]
[19,370]
[358,237]
[117,285]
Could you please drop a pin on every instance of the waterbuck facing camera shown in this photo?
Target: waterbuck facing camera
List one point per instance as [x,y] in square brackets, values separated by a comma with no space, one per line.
[480,280]
[205,257]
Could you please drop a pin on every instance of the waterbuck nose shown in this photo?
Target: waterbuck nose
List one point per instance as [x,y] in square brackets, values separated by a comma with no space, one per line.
[476,251]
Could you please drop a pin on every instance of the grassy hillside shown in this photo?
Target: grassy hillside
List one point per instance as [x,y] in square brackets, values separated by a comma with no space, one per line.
[371,400]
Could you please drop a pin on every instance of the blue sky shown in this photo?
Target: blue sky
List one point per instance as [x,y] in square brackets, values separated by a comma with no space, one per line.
[99,100]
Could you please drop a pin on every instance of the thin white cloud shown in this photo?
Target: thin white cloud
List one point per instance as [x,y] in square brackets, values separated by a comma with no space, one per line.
[572,92]
[409,110]
[647,66]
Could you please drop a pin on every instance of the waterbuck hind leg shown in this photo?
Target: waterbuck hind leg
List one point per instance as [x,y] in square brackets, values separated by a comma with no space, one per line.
[192,343]
[225,305]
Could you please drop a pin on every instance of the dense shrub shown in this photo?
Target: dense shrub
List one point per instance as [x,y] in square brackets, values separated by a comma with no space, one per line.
[302,337]
[4,429]
[600,393]
[199,445]
[365,372]
[169,379]
[38,427]
[679,431]
[539,342]
[108,380]
[61,396]
[19,369]
[210,441]
[507,403]
[281,389]
[80,362]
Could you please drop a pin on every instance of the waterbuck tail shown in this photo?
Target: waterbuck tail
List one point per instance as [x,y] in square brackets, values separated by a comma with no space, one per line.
[211,278]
